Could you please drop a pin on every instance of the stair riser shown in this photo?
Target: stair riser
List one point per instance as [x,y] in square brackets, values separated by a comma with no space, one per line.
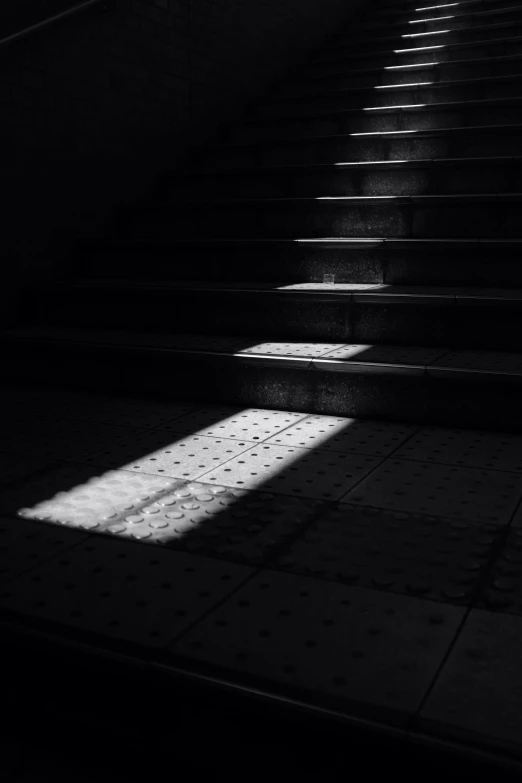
[463,266]
[262,317]
[464,52]
[384,39]
[378,122]
[392,220]
[417,400]
[481,178]
[338,80]
[456,145]
[511,88]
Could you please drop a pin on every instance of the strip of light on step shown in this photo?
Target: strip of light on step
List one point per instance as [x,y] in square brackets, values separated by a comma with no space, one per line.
[415,65]
[432,19]
[432,7]
[373,162]
[400,106]
[396,86]
[354,198]
[420,49]
[382,133]
[422,35]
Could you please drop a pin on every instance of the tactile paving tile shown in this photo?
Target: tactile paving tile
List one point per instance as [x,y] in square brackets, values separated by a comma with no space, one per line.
[472,448]
[127,412]
[481,361]
[29,404]
[503,589]
[80,496]
[292,349]
[387,354]
[361,646]
[25,544]
[334,433]
[252,424]
[414,554]
[447,491]
[478,694]
[123,590]
[219,521]
[60,438]
[292,471]
[168,454]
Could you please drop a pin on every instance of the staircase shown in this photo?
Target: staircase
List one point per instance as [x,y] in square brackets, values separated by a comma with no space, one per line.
[351,248]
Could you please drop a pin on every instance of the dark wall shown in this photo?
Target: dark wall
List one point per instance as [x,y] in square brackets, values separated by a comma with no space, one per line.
[94,108]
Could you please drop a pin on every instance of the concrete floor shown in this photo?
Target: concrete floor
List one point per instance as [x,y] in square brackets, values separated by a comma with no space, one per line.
[368,569]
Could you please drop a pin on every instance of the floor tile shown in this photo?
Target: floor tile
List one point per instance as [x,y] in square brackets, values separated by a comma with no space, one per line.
[219,522]
[334,433]
[60,438]
[16,466]
[253,424]
[413,554]
[24,544]
[81,496]
[164,453]
[292,471]
[503,589]
[357,646]
[479,691]
[386,354]
[124,590]
[472,448]
[427,488]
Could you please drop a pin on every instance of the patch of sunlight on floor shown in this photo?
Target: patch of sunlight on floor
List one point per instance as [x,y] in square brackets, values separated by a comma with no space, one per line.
[382,133]
[331,286]
[351,198]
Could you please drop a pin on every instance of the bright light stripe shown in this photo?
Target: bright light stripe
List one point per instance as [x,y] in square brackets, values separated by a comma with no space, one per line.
[419,49]
[399,67]
[432,19]
[395,86]
[352,198]
[402,106]
[431,7]
[420,35]
[375,162]
[381,133]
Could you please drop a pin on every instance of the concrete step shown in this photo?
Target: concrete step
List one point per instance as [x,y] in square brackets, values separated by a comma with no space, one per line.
[465,28]
[462,389]
[384,118]
[455,142]
[449,17]
[439,262]
[378,178]
[362,97]
[478,216]
[416,54]
[396,42]
[308,82]
[457,317]
[424,9]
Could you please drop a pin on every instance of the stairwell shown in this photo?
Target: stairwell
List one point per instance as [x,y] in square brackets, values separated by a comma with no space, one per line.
[351,249]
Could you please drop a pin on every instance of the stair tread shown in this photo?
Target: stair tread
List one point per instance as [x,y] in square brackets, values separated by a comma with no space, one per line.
[363,290]
[398,134]
[390,109]
[454,362]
